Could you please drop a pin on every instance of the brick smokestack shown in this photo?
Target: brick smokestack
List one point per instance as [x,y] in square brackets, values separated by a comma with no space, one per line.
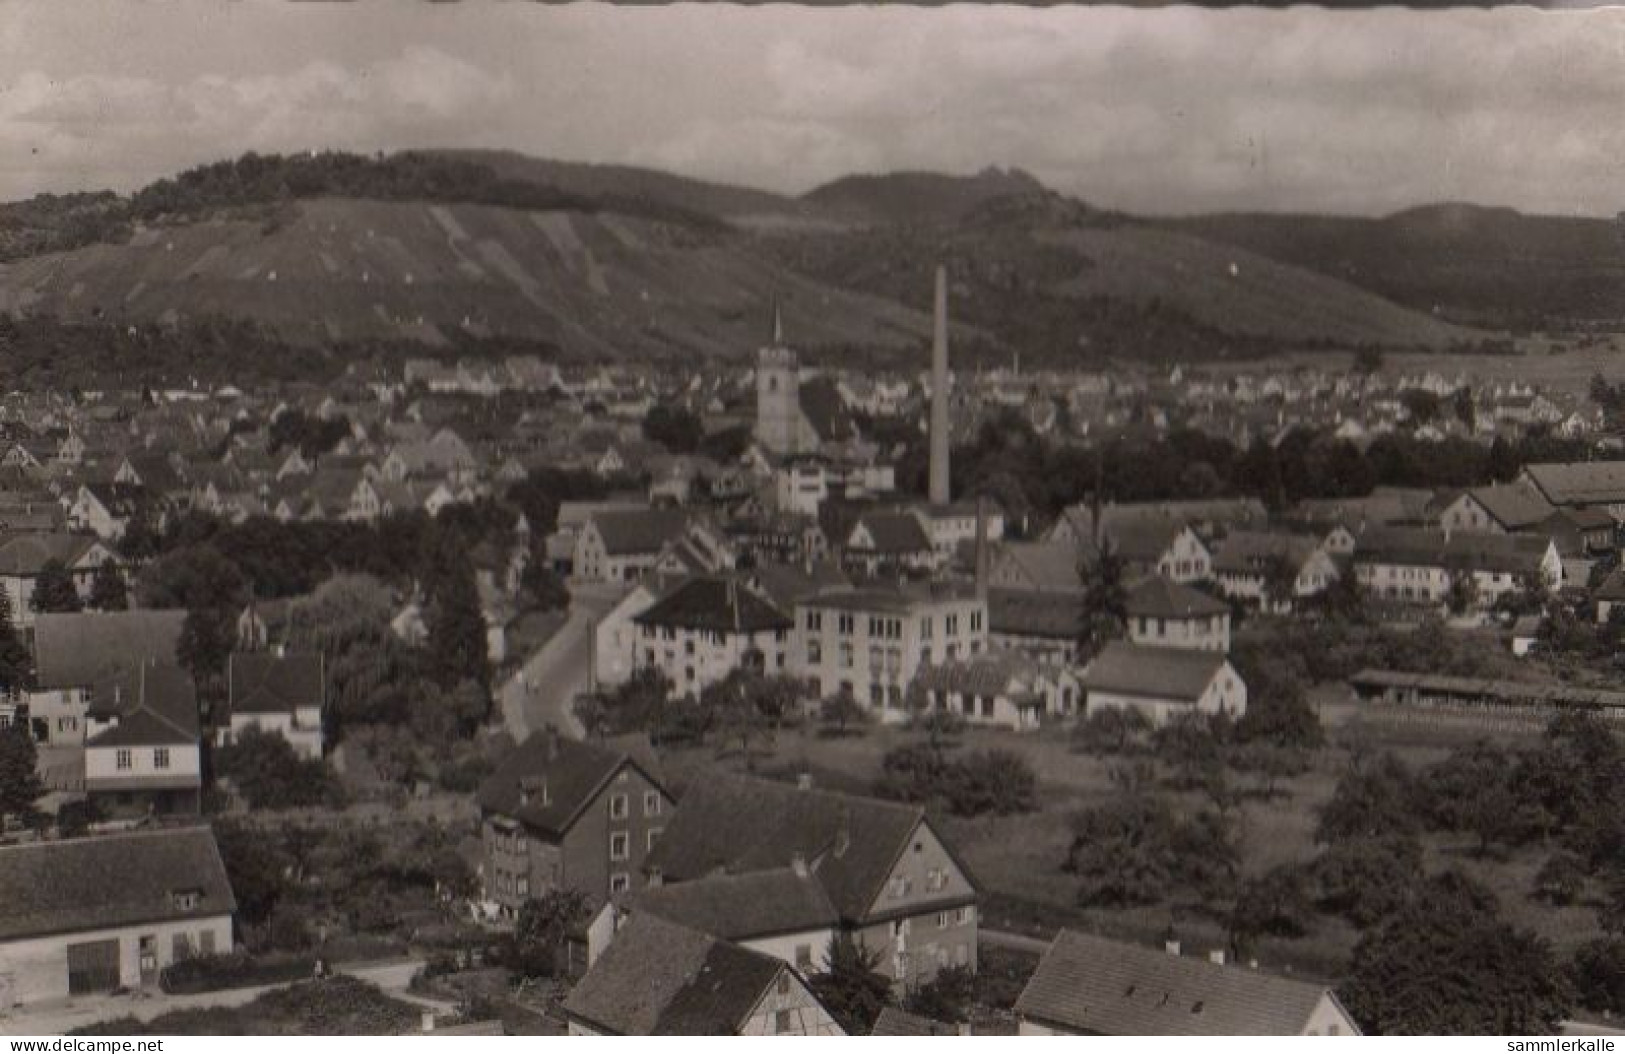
[940,494]
[981,548]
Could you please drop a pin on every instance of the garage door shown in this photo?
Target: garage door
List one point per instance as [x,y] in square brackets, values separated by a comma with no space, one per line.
[92,967]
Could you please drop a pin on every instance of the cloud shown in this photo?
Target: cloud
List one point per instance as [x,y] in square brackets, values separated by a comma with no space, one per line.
[1166,110]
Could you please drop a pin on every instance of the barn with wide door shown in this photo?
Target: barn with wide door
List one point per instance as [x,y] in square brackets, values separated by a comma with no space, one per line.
[90,915]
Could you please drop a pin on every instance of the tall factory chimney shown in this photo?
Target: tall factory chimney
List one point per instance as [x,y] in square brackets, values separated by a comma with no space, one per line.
[939,394]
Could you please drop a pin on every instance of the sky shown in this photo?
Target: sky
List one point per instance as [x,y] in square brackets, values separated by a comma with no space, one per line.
[1172,110]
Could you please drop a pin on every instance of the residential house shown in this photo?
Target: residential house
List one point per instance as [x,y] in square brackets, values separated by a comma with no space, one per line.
[83,916]
[621,545]
[1580,484]
[1095,986]
[1043,625]
[897,886]
[1163,682]
[23,556]
[73,652]
[872,642]
[1163,613]
[782,912]
[1248,563]
[106,509]
[142,756]
[951,526]
[1001,688]
[707,627]
[1420,566]
[1047,567]
[890,543]
[277,693]
[568,814]
[662,979]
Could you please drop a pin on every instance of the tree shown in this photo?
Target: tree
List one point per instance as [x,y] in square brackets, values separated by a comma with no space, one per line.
[539,944]
[193,577]
[946,997]
[1421,404]
[1135,849]
[1278,709]
[674,427]
[1472,791]
[851,987]
[16,662]
[1375,798]
[258,868]
[1447,965]
[1463,591]
[1269,763]
[1111,730]
[457,648]
[840,710]
[991,782]
[206,641]
[20,785]
[1597,974]
[1368,361]
[1365,880]
[1105,595]
[270,774]
[1280,581]
[108,591]
[543,590]
[54,590]
[1274,904]
[1466,411]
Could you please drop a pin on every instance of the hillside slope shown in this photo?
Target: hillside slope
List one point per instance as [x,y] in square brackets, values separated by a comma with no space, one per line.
[340,269]
[1058,282]
[1477,265]
[918,197]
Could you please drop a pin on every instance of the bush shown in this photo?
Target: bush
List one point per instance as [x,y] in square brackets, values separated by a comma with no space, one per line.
[213,973]
[981,782]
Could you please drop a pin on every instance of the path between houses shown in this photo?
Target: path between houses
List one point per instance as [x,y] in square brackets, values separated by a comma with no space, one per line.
[61,1016]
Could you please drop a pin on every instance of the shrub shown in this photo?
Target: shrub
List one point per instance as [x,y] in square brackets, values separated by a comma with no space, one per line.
[213,973]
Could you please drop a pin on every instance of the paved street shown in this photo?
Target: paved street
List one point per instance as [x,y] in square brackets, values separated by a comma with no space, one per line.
[544,689]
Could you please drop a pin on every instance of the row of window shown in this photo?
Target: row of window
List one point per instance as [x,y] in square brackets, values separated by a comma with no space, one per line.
[620,805]
[620,843]
[888,628]
[125,760]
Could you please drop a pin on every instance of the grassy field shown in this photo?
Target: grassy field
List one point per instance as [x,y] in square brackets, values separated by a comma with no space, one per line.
[1018,859]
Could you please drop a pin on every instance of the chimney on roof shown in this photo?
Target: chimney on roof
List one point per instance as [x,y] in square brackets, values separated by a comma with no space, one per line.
[939,488]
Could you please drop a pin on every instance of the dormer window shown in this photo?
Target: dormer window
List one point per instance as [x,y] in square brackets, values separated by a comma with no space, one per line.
[185,899]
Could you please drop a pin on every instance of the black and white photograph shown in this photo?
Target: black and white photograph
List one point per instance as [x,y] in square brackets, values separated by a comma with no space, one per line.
[529,519]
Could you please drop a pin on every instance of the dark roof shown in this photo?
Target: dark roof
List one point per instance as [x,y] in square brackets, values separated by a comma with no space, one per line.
[850,843]
[992,674]
[895,532]
[1052,566]
[155,703]
[1158,673]
[1034,613]
[627,531]
[110,880]
[742,907]
[658,978]
[1112,988]
[1463,550]
[81,648]
[1580,483]
[1249,552]
[1159,597]
[26,553]
[715,603]
[1510,693]
[548,780]
[785,584]
[1513,505]
[266,683]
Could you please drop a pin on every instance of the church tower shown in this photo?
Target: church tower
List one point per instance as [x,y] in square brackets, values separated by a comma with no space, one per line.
[778,394]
